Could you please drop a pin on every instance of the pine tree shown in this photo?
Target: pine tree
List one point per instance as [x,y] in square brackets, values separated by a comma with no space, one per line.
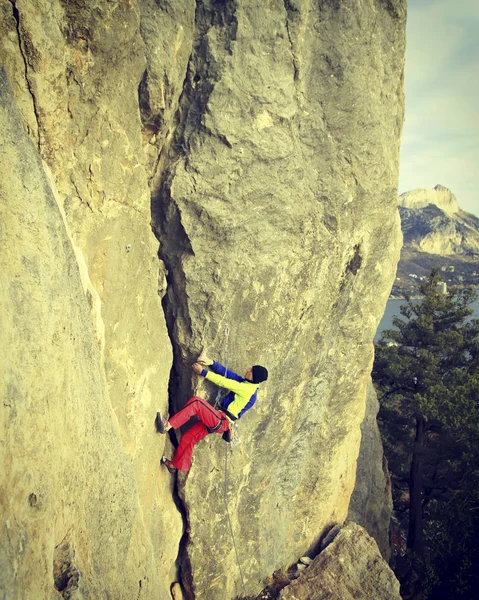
[427,372]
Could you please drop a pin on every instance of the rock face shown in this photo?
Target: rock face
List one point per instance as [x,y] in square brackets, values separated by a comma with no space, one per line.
[263,143]
[77,513]
[350,567]
[278,229]
[371,502]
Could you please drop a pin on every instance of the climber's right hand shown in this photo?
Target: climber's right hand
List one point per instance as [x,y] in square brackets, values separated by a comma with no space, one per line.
[197,368]
[204,360]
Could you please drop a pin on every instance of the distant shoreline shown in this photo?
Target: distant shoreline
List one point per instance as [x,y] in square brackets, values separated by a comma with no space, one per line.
[392,310]
[418,296]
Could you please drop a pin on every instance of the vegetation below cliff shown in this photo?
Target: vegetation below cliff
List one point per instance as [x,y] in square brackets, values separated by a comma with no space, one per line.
[427,372]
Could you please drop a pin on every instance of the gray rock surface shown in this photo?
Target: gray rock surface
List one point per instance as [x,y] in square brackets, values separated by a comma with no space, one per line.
[73,515]
[277,220]
[371,502]
[264,143]
[351,567]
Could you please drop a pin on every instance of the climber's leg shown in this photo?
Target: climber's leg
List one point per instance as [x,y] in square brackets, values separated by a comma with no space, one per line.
[184,452]
[208,415]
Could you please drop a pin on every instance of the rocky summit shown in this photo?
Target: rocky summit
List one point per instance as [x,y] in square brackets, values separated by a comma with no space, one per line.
[439,196]
[179,175]
[437,234]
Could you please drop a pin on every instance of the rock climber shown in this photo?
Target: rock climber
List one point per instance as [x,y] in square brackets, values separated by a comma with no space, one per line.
[240,398]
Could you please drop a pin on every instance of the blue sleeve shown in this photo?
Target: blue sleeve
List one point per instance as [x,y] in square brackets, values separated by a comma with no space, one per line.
[252,400]
[216,367]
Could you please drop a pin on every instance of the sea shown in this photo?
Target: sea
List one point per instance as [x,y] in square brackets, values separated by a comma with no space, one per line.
[392,310]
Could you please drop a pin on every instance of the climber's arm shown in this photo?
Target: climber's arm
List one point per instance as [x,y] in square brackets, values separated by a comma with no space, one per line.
[230,384]
[218,368]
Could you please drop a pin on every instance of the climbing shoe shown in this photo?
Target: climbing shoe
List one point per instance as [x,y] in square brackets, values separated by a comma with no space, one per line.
[169,465]
[160,423]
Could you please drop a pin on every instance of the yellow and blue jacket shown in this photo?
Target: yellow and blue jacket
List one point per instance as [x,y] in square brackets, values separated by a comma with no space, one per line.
[242,394]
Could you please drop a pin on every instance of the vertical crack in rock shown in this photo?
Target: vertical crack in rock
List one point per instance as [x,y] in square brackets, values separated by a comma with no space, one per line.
[183,563]
[151,122]
[352,268]
[355,263]
[292,12]
[175,246]
[24,52]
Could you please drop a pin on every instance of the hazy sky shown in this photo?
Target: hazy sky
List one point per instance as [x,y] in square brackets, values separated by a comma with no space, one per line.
[440,142]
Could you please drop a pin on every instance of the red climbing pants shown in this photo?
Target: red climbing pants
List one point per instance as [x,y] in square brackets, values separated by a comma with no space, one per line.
[209,417]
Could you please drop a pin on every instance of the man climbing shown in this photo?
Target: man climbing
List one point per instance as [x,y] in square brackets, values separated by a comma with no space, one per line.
[241,397]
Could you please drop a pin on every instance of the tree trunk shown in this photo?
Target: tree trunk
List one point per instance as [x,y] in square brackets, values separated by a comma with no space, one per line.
[415,532]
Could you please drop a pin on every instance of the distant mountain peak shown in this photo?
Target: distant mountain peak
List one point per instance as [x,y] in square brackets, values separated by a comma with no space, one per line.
[432,222]
[439,196]
[436,234]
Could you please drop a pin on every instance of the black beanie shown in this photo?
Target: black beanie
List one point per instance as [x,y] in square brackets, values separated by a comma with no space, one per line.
[259,374]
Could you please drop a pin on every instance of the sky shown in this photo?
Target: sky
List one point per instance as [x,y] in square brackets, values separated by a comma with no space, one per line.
[440,141]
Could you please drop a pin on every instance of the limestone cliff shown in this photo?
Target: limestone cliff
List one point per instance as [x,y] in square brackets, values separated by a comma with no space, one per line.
[263,143]
[349,568]
[278,225]
[371,502]
[81,517]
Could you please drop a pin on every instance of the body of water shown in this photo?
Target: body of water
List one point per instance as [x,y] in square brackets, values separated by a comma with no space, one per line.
[392,310]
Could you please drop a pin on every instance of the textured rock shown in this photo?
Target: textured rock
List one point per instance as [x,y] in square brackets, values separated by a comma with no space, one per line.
[278,226]
[73,512]
[350,567]
[440,196]
[81,78]
[371,502]
[75,69]
[176,592]
[269,139]
[167,29]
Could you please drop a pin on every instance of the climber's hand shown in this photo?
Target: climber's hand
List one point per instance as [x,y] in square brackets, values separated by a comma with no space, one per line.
[204,360]
[197,368]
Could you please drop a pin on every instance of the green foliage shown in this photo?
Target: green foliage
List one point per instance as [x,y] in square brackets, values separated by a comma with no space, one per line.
[427,369]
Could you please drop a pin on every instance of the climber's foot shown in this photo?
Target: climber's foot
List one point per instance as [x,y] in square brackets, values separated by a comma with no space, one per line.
[169,465]
[162,425]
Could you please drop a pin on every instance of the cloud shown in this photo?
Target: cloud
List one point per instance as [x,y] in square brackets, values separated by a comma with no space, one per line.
[441,132]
